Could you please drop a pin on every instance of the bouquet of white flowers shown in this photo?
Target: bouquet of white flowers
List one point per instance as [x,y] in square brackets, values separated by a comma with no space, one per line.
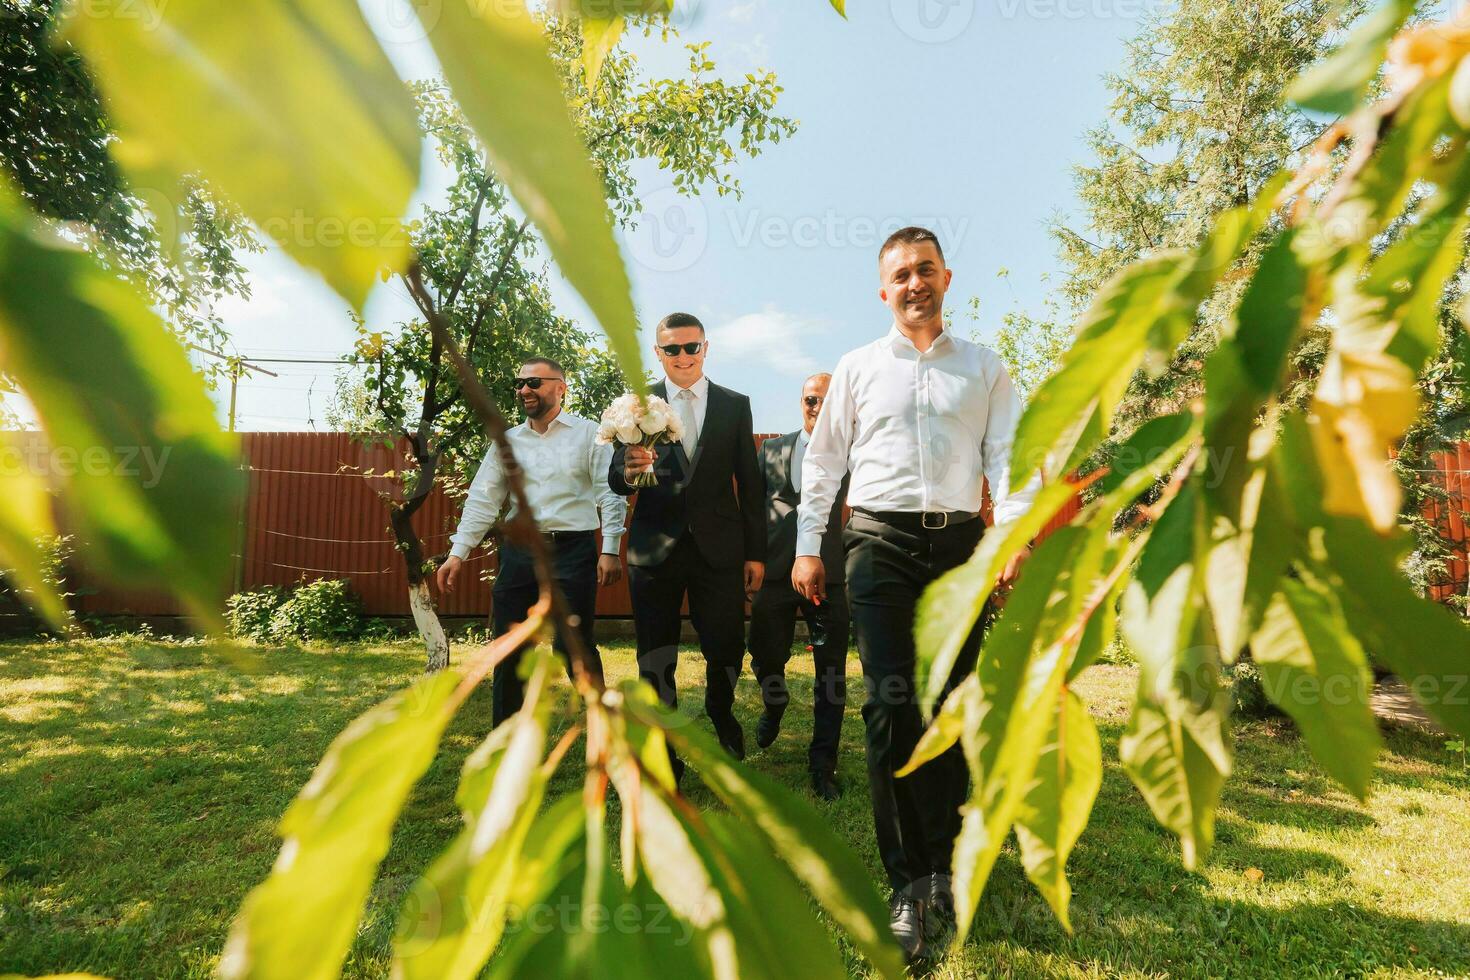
[633,422]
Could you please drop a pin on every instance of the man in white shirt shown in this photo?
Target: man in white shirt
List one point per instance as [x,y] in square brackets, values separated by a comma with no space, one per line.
[565,474]
[915,420]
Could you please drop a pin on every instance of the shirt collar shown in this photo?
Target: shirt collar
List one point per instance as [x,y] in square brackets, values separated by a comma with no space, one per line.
[896,338]
[700,387]
[802,437]
[564,419]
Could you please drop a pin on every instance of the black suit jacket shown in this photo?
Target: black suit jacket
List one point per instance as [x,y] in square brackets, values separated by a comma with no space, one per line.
[716,496]
[782,499]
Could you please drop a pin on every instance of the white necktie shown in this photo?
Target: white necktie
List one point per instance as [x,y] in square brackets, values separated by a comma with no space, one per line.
[685,400]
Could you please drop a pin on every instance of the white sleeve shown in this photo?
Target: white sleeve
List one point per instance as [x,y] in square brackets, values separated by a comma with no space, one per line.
[825,462]
[612,508]
[995,449]
[487,496]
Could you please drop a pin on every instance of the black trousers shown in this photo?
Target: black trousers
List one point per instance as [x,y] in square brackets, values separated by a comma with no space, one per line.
[917,818]
[514,594]
[772,629]
[717,610]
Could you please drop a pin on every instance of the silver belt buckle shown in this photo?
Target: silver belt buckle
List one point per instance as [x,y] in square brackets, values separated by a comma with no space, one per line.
[943,520]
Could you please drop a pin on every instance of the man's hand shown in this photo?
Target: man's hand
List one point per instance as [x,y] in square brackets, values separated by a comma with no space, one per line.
[637,459]
[448,573]
[755,574]
[809,578]
[1008,577]
[609,569]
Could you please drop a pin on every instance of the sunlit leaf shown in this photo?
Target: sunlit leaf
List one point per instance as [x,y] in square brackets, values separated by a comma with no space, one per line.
[495,59]
[959,710]
[153,487]
[1315,669]
[952,604]
[292,110]
[471,883]
[1247,555]
[836,877]
[1338,82]
[301,920]
[25,516]
[1059,800]
[1162,602]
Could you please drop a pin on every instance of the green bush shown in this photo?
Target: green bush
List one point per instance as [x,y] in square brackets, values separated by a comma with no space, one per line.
[249,613]
[326,609]
[1248,693]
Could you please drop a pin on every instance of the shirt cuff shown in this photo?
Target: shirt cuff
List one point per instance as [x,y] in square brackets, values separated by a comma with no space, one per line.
[808,544]
[610,543]
[460,551]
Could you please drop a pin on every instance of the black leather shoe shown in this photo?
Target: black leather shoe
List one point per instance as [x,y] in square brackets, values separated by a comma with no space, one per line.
[825,784]
[906,920]
[767,729]
[939,919]
[732,740]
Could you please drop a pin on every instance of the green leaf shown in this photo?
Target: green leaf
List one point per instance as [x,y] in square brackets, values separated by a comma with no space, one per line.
[155,487]
[473,881]
[1315,669]
[1021,668]
[1152,450]
[1059,800]
[803,838]
[951,605]
[495,59]
[25,518]
[1247,555]
[301,920]
[1139,317]
[1162,602]
[1338,82]
[292,110]
[599,37]
[959,710]
[1421,641]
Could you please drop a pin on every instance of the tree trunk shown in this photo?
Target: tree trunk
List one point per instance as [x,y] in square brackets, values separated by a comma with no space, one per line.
[436,644]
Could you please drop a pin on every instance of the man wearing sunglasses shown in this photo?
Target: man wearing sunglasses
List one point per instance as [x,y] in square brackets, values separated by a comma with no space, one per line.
[565,473]
[915,420]
[773,613]
[699,531]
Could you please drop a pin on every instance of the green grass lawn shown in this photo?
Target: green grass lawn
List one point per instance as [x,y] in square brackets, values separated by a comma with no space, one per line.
[140,783]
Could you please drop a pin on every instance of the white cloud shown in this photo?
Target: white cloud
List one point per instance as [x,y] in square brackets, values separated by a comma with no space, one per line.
[772,339]
[742,13]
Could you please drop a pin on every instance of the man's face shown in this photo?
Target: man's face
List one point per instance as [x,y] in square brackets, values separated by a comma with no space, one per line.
[913,282]
[813,395]
[682,367]
[540,402]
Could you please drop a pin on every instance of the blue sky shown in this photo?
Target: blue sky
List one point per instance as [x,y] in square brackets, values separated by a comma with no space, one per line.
[966,115]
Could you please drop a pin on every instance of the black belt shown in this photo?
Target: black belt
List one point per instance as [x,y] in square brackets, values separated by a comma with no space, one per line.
[927,520]
[568,535]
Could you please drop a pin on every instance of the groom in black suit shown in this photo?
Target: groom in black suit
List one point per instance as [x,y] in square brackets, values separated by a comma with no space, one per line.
[700,530]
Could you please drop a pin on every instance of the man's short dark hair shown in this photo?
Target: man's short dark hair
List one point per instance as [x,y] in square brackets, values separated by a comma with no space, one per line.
[555,366]
[912,235]
[676,320]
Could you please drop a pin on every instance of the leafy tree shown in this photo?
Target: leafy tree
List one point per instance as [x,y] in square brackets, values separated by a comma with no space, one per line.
[479,263]
[182,250]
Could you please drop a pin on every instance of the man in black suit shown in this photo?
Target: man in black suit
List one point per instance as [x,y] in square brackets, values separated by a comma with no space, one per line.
[699,530]
[773,613]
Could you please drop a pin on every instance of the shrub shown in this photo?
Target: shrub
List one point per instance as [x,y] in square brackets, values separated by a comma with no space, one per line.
[326,609]
[1248,693]
[249,613]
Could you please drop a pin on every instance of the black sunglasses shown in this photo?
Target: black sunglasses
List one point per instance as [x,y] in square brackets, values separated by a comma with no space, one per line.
[672,350]
[533,383]
[812,401]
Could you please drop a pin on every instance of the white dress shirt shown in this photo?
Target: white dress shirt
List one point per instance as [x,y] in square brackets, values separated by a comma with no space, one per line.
[565,473]
[798,453]
[916,430]
[700,392]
